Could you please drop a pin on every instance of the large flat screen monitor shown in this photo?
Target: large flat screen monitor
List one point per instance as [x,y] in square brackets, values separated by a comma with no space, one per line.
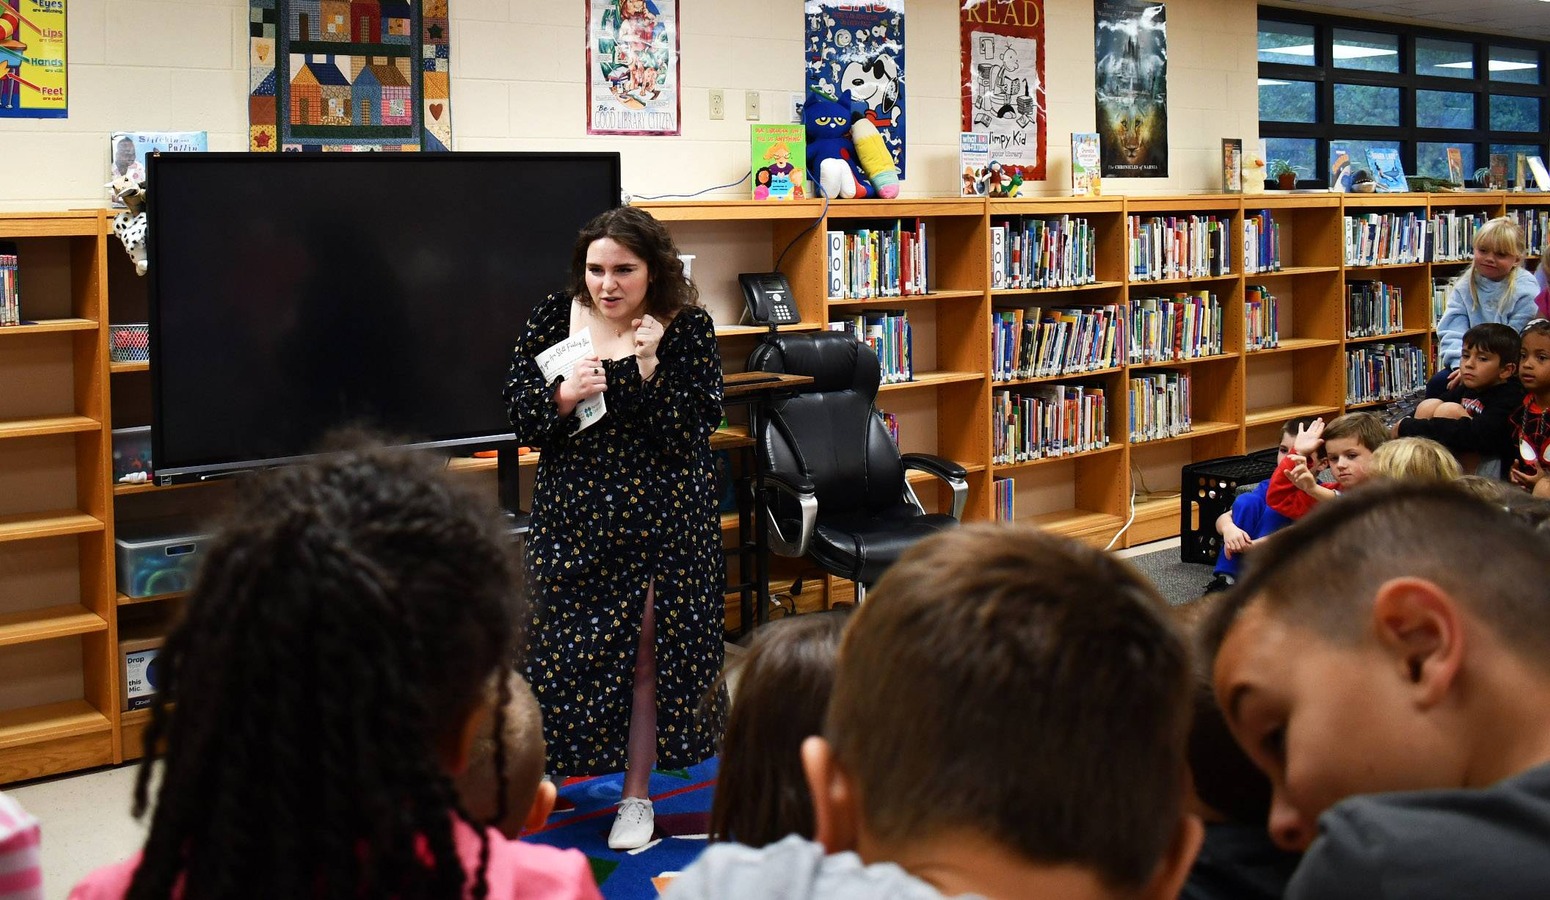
[295,293]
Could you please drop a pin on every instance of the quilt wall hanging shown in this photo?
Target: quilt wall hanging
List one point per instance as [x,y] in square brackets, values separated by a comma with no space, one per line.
[1001,44]
[858,48]
[1131,59]
[342,75]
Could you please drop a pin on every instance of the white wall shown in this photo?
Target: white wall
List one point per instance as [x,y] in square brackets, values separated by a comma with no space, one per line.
[517,67]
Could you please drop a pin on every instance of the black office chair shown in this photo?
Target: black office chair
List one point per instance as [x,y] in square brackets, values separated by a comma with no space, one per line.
[833,481]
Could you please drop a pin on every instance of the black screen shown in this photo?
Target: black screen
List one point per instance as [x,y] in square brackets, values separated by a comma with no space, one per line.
[294,293]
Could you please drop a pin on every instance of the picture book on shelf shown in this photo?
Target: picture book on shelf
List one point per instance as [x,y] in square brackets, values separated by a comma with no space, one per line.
[1232,165]
[1521,181]
[1340,168]
[773,147]
[1387,170]
[1496,175]
[1085,180]
[974,161]
[127,151]
[1455,165]
[1541,176]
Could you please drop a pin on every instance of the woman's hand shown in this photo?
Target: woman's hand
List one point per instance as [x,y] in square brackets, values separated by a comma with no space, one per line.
[587,379]
[648,334]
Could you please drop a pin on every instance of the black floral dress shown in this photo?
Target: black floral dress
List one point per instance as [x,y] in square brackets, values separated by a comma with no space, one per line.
[629,502]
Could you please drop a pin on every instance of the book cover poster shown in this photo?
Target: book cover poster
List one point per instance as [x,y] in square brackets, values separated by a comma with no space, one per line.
[1455,165]
[858,48]
[34,81]
[1086,158]
[772,149]
[974,162]
[1131,66]
[330,75]
[1387,171]
[127,150]
[1341,170]
[1001,52]
[1232,165]
[633,67]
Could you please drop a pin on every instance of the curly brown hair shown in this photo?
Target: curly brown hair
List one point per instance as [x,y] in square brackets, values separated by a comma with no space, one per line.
[639,232]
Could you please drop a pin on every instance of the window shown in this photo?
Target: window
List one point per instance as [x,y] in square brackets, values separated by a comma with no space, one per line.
[1358,84]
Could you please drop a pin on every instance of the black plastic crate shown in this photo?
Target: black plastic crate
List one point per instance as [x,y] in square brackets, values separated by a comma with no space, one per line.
[1206,490]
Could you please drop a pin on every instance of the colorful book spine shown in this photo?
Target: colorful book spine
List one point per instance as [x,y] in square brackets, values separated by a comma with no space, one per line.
[1379,373]
[10,287]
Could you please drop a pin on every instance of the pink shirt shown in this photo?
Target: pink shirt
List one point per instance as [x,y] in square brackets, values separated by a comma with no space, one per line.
[517,871]
[21,869]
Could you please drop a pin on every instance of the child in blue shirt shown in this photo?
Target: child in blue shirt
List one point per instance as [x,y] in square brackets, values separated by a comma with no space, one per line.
[1250,519]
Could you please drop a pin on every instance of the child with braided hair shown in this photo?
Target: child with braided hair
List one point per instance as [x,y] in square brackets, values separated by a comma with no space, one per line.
[347,637]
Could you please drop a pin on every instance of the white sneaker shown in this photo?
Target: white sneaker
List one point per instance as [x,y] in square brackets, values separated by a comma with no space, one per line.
[633,825]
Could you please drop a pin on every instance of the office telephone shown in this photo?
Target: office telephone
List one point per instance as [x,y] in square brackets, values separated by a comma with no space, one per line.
[769,299]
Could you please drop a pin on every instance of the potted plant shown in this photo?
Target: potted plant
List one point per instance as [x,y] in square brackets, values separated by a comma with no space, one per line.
[1284,173]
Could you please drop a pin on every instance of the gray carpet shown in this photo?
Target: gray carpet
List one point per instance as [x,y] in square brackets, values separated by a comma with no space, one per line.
[1178,582]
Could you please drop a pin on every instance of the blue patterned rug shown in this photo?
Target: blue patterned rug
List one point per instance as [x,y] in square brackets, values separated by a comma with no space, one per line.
[681,799]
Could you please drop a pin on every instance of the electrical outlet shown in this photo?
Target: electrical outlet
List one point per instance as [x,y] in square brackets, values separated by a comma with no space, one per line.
[751,104]
[718,103]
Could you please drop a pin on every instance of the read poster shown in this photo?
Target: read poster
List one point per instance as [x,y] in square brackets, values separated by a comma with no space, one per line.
[1131,55]
[33,76]
[633,67]
[857,47]
[1001,45]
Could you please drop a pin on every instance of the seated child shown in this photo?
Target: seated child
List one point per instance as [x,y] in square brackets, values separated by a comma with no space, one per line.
[330,670]
[783,688]
[527,798]
[971,747]
[1414,459]
[1472,418]
[1495,288]
[1531,421]
[1400,717]
[1237,860]
[21,866]
[1249,519]
[1348,443]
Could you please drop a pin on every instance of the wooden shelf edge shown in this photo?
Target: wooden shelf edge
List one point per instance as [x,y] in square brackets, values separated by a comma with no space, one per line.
[1011,468]
[931,379]
[118,368]
[24,428]
[84,223]
[49,722]
[48,623]
[49,326]
[126,600]
[1276,415]
[1198,430]
[54,523]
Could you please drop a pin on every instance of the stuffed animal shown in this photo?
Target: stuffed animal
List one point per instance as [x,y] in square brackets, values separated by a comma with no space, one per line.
[841,157]
[130,225]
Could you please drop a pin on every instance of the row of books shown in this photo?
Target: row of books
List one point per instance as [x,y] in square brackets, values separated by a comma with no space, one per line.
[886,261]
[1383,372]
[1177,247]
[1453,234]
[1536,228]
[887,332]
[1039,342]
[1376,239]
[891,425]
[1441,287]
[1373,308]
[10,288]
[1184,326]
[1047,420]
[1261,243]
[1026,254]
[1006,499]
[1159,406]
[1261,318]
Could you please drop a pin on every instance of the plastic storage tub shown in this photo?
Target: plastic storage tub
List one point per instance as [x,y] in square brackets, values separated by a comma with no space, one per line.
[157,556]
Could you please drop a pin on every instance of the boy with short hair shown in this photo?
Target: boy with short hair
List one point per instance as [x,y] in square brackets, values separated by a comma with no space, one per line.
[1472,419]
[1417,675]
[1251,519]
[1347,442]
[1008,719]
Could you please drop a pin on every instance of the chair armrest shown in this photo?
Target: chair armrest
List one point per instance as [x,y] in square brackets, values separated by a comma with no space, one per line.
[954,474]
[801,490]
